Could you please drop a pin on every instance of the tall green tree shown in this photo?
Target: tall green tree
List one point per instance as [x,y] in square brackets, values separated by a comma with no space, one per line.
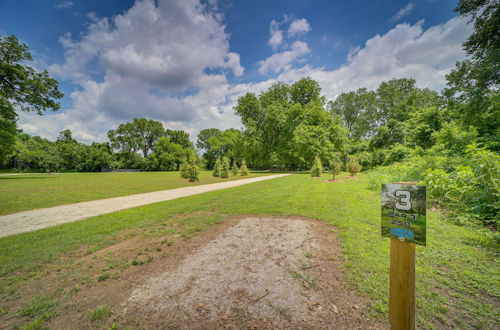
[148,132]
[21,88]
[357,110]
[472,91]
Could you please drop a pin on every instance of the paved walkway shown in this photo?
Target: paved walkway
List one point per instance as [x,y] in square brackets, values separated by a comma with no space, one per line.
[37,219]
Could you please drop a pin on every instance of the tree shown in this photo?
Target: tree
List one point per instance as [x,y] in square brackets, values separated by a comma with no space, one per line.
[335,166]
[21,88]
[287,125]
[179,137]
[472,91]
[353,165]
[244,169]
[217,168]
[204,142]
[317,167]
[234,168]
[193,172]
[357,110]
[224,169]
[148,133]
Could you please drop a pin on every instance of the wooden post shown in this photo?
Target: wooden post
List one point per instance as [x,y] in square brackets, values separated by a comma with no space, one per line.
[402,286]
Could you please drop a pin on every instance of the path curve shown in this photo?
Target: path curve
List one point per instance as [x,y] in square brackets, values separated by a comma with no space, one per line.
[48,217]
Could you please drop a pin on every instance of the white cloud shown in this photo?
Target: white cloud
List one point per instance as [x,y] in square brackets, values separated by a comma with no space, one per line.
[64,4]
[406,51]
[298,26]
[136,64]
[125,92]
[276,37]
[283,61]
[403,12]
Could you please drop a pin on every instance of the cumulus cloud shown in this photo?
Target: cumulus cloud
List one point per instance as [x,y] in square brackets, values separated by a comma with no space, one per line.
[136,64]
[403,12]
[276,35]
[404,51]
[298,26]
[124,92]
[283,61]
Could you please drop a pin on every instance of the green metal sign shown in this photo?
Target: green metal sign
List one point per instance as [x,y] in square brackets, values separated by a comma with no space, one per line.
[404,212]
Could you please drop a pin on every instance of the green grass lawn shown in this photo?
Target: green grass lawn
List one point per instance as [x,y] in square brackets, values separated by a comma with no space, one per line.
[457,272]
[30,191]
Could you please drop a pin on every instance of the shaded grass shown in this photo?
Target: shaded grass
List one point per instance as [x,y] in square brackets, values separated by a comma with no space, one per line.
[457,272]
[30,191]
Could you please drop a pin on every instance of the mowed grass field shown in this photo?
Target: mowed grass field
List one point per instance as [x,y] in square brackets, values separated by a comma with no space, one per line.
[457,272]
[31,191]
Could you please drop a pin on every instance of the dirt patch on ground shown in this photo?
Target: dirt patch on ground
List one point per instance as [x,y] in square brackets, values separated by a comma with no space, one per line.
[335,181]
[261,273]
[244,272]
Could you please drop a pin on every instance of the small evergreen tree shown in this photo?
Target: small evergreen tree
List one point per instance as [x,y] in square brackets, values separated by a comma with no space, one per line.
[335,166]
[317,167]
[184,169]
[192,172]
[217,168]
[224,171]
[244,169]
[234,168]
[353,166]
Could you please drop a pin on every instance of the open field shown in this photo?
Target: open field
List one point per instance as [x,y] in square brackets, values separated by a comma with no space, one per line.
[55,272]
[31,191]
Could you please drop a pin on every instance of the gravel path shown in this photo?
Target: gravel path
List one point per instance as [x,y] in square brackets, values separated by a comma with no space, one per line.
[37,219]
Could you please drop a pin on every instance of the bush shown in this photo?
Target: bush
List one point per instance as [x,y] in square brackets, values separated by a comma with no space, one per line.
[234,168]
[184,170]
[192,172]
[335,167]
[353,166]
[217,168]
[224,169]
[317,167]
[244,169]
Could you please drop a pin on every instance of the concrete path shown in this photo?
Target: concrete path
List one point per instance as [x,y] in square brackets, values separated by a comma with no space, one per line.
[37,219]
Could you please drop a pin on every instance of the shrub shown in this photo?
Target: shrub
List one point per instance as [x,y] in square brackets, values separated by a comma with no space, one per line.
[184,170]
[224,169]
[193,172]
[234,168]
[244,169]
[335,167]
[353,166]
[217,168]
[317,167]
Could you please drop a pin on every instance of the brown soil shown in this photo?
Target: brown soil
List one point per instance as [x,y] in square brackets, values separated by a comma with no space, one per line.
[335,181]
[246,272]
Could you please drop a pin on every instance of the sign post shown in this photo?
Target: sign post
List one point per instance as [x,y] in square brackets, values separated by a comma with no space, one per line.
[404,221]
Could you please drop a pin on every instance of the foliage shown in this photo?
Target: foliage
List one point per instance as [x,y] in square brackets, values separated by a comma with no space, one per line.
[317,167]
[21,88]
[335,165]
[287,126]
[234,168]
[193,172]
[217,168]
[244,169]
[353,166]
[224,168]
[184,168]
[216,143]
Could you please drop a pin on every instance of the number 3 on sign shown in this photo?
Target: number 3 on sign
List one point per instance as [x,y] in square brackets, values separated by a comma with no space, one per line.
[404,201]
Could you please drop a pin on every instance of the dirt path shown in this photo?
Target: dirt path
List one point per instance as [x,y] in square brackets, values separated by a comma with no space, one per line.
[260,273]
[37,219]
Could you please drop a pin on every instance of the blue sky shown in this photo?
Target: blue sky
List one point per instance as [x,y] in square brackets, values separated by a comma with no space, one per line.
[185,63]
